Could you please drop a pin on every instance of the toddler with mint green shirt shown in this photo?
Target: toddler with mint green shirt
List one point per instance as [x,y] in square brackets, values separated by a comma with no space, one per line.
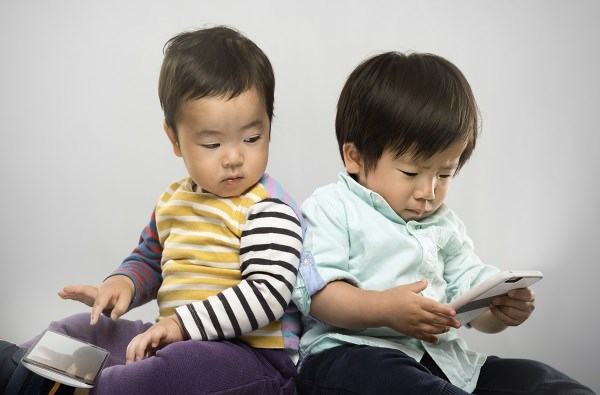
[383,255]
[437,249]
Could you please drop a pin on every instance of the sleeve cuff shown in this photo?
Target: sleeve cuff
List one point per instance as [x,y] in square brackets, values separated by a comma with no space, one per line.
[310,275]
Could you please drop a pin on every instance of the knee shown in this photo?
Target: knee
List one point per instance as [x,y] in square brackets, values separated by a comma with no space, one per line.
[534,377]
[71,325]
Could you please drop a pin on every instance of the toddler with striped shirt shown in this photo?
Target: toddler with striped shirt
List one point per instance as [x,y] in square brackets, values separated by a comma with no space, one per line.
[220,252]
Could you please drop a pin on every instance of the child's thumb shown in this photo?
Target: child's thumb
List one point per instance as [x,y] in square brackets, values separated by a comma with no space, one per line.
[419,286]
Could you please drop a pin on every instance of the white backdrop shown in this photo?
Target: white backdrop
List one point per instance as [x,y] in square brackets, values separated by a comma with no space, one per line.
[83,156]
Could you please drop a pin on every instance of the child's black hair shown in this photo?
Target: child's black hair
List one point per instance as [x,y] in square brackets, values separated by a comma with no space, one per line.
[418,103]
[212,62]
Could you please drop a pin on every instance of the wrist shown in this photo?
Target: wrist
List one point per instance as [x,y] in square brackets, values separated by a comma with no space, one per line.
[382,312]
[123,281]
[183,333]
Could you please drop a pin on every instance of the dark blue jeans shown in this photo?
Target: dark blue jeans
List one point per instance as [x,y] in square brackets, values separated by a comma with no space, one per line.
[354,369]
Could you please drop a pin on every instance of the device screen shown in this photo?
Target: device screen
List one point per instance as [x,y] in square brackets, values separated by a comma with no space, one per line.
[69,356]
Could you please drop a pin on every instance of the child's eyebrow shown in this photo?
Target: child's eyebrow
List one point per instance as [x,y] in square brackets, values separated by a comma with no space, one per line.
[451,166]
[417,163]
[206,133]
[254,124]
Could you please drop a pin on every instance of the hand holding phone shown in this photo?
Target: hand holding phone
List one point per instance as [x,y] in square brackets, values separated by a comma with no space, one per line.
[477,301]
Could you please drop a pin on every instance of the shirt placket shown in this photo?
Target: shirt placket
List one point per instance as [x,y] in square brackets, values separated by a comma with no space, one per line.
[427,267]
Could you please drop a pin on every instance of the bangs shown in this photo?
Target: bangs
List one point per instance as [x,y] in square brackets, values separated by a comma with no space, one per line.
[417,103]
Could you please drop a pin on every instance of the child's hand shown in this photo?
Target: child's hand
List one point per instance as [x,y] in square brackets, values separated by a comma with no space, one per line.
[400,308]
[515,308]
[415,315]
[85,294]
[114,294]
[164,332]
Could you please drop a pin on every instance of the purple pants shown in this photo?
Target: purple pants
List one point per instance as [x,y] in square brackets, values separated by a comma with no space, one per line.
[186,367]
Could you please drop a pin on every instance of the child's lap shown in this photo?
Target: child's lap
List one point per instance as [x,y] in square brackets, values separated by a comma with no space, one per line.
[113,336]
[205,367]
[182,367]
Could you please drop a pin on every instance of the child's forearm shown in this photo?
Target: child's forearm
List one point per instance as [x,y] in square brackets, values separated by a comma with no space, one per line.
[344,305]
[143,265]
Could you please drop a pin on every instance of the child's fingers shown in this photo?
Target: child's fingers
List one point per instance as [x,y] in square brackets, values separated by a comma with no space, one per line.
[418,286]
[510,316]
[517,303]
[136,350]
[524,294]
[442,321]
[435,307]
[95,315]
[440,314]
[139,346]
[101,303]
[85,294]
[156,337]
[120,307]
[145,344]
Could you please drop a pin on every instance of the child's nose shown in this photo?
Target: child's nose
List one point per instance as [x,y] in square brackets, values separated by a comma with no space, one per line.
[425,189]
[233,158]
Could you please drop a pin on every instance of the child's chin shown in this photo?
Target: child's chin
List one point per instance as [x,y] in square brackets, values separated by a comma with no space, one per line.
[413,216]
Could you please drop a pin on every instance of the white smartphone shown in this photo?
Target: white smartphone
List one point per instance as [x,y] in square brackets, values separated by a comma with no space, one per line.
[475,302]
[65,359]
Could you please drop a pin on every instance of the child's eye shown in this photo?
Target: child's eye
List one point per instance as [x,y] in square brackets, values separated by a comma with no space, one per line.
[445,175]
[253,139]
[211,146]
[409,174]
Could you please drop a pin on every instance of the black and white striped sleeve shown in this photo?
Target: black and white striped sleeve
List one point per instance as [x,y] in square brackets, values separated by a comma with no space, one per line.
[270,248]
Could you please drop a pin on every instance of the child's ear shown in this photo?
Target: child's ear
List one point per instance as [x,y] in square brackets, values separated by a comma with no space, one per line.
[352,158]
[172,138]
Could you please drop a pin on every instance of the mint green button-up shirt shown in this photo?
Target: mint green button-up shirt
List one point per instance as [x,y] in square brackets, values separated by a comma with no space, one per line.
[354,235]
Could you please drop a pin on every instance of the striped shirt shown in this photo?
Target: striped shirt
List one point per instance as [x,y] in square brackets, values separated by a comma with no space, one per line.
[226,266]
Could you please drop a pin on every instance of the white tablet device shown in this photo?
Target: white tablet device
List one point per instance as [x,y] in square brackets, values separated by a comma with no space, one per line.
[475,302]
[65,359]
